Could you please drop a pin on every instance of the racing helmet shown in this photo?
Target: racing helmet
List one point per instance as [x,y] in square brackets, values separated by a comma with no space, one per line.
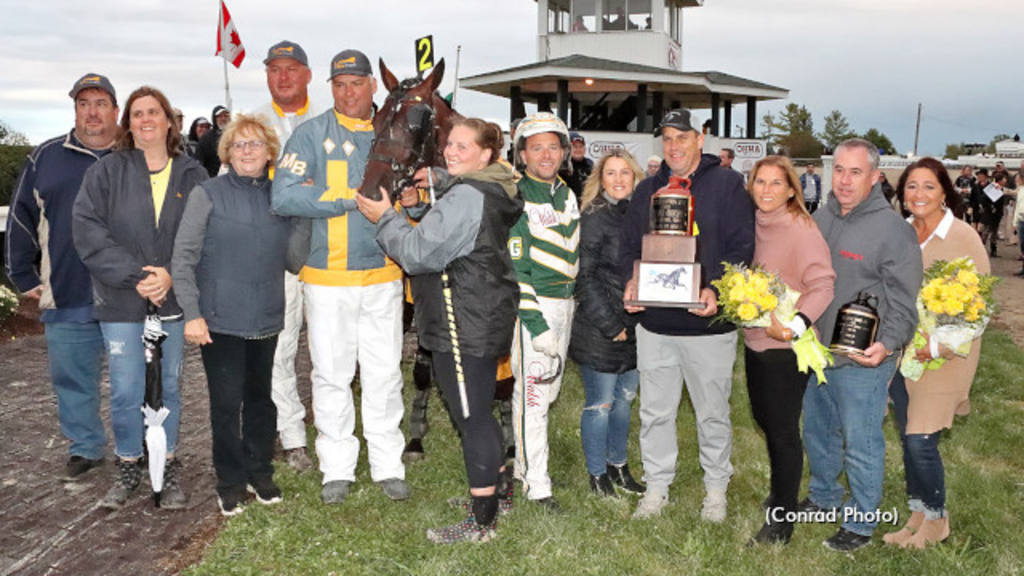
[540,123]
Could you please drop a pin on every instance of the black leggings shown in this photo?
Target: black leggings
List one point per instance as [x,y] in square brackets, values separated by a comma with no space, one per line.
[776,390]
[481,434]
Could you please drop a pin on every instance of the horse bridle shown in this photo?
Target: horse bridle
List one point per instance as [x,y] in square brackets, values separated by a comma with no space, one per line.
[422,154]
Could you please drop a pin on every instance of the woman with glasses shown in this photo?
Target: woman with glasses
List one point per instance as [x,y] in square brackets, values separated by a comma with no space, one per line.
[229,261]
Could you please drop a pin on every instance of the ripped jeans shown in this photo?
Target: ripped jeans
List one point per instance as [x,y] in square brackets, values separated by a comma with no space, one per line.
[604,424]
[128,383]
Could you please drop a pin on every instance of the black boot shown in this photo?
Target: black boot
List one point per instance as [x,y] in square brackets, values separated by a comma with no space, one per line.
[602,486]
[623,479]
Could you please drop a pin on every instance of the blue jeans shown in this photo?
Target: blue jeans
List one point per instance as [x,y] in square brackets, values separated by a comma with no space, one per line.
[75,353]
[843,430]
[922,463]
[128,383]
[604,424]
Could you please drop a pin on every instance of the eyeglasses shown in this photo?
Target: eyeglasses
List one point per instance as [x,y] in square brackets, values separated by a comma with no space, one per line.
[253,144]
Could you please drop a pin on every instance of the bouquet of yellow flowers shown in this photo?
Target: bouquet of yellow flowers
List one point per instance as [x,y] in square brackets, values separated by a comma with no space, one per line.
[953,307]
[749,295]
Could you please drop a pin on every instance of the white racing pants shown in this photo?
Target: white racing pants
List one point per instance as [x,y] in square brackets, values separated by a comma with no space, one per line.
[350,324]
[533,393]
[285,385]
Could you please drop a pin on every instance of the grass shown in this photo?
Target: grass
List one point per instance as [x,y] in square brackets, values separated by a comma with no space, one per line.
[370,535]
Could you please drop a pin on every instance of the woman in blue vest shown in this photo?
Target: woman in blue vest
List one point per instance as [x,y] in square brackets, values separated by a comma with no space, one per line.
[228,268]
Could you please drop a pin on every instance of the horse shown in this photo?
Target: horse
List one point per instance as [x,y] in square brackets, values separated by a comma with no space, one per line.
[411,131]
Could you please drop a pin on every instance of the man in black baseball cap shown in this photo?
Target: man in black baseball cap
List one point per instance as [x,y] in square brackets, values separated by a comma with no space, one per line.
[39,231]
[677,349]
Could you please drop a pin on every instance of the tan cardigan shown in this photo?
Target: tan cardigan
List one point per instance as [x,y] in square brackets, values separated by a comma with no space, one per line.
[941,394]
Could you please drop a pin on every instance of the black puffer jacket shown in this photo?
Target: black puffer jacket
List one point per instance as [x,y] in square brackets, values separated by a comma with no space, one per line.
[600,316]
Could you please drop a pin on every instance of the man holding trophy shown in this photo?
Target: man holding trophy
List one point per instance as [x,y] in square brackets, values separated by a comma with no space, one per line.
[876,258]
[676,236]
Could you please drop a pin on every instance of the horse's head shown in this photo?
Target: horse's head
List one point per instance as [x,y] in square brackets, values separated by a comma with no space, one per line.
[411,130]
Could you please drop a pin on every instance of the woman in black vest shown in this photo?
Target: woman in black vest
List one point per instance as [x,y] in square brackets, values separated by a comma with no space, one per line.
[228,268]
[458,258]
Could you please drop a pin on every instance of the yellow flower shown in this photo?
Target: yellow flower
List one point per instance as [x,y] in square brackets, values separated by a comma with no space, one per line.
[953,307]
[768,302]
[967,277]
[737,294]
[957,292]
[935,306]
[759,283]
[929,291]
[971,316]
[746,311]
[735,280]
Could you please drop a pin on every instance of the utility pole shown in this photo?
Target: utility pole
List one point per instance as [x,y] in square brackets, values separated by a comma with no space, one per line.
[917,129]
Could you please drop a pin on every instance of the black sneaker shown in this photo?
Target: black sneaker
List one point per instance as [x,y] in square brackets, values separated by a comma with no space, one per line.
[846,541]
[548,504]
[773,533]
[265,489]
[807,505]
[602,486]
[230,502]
[79,465]
[623,479]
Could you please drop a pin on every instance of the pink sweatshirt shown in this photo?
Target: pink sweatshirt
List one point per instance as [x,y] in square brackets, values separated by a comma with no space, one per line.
[794,248]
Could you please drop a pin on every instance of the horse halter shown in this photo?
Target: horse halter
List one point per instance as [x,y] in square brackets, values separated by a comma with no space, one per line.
[419,122]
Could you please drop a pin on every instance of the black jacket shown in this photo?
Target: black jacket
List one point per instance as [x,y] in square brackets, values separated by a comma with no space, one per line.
[724,216]
[466,233]
[600,316]
[115,231]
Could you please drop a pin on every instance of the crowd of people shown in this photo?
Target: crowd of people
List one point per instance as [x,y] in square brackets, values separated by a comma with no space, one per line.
[247,226]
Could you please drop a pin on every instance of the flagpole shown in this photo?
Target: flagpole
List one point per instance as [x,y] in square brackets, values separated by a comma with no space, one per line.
[223,51]
[455,91]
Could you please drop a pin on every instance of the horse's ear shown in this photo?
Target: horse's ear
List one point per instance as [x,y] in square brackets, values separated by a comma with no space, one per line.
[390,82]
[436,75]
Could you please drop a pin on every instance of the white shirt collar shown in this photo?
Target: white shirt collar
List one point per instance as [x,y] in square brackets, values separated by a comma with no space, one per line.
[941,230]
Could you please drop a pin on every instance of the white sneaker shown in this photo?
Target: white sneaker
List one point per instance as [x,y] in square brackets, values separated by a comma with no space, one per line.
[714,506]
[651,504]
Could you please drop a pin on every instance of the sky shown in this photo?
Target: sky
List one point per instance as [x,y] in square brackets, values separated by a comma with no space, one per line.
[873,60]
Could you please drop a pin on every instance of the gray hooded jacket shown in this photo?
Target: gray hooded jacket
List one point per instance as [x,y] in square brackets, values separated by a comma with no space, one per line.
[875,251]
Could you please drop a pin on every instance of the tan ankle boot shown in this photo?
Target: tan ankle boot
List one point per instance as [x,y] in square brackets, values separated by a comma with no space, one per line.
[905,533]
[930,532]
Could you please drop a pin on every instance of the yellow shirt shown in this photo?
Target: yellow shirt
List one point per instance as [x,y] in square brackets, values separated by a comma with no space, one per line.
[158,182]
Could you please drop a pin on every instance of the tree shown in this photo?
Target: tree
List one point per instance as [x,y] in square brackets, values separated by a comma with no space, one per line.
[11,137]
[768,128]
[836,130]
[881,141]
[795,132]
[954,151]
[997,138]
[801,145]
[795,119]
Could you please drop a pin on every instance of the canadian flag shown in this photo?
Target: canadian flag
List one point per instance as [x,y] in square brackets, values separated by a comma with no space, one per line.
[229,45]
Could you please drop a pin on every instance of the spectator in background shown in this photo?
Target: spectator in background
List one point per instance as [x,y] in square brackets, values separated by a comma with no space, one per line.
[964,183]
[811,185]
[726,155]
[887,190]
[199,127]
[653,165]
[207,149]
[42,263]
[580,166]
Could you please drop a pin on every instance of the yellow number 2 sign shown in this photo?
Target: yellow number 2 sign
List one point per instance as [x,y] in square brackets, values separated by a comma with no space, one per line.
[424,53]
